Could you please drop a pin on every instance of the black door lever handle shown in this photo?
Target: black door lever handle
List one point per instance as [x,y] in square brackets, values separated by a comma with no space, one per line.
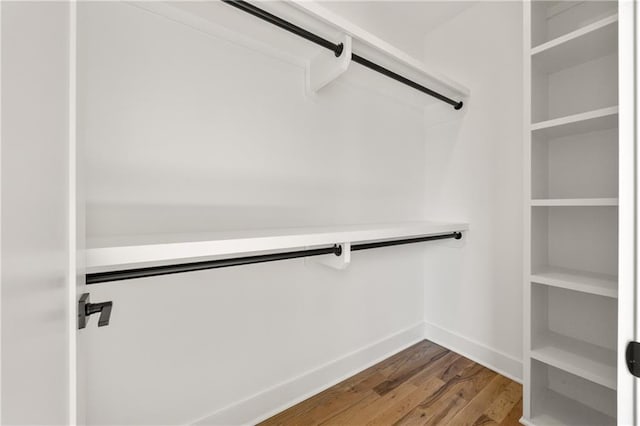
[86,309]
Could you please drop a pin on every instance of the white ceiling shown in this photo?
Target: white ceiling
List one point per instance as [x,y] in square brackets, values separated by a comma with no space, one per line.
[402,23]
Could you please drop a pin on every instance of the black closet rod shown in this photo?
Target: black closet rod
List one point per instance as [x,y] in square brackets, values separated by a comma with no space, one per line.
[336,48]
[152,271]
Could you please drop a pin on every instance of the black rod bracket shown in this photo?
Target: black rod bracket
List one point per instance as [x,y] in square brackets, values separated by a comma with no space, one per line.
[86,309]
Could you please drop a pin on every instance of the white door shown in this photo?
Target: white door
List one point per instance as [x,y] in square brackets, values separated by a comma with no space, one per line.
[628,317]
[37,306]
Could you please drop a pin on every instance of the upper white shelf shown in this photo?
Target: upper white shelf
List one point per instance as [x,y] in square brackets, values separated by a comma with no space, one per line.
[220,20]
[573,202]
[108,253]
[591,121]
[366,38]
[585,44]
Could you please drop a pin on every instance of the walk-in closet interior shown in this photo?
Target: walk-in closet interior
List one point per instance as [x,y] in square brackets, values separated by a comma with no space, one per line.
[229,212]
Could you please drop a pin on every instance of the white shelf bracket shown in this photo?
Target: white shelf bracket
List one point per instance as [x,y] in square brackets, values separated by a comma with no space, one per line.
[325,67]
[333,261]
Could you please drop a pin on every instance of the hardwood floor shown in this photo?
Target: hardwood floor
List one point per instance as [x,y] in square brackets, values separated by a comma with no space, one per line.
[425,384]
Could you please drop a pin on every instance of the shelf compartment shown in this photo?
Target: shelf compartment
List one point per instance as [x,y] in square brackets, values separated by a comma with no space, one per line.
[574,83]
[585,282]
[577,238]
[583,45]
[586,319]
[567,202]
[556,20]
[562,398]
[130,251]
[591,121]
[557,409]
[571,331]
[591,362]
[576,161]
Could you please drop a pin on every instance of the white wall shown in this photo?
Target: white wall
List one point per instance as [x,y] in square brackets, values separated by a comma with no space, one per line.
[34,213]
[473,300]
[184,131]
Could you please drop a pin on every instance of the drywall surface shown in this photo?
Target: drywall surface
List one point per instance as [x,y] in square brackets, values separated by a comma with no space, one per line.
[186,132]
[35,370]
[474,174]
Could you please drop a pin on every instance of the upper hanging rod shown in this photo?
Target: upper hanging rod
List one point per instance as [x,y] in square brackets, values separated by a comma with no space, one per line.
[151,271]
[336,49]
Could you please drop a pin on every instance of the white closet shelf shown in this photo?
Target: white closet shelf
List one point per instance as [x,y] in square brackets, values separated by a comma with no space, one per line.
[591,121]
[131,251]
[568,202]
[223,21]
[574,356]
[585,282]
[583,45]
[556,409]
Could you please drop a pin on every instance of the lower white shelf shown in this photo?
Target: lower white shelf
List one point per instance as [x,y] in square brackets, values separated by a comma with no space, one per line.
[554,409]
[586,360]
[571,279]
[131,251]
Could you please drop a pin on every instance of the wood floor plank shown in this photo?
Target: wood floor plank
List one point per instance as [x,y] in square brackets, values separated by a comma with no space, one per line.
[471,381]
[367,409]
[456,368]
[484,420]
[513,418]
[403,358]
[348,392]
[401,407]
[504,403]
[455,394]
[410,368]
[422,367]
[424,384]
[502,406]
[473,412]
[434,410]
[447,408]
[326,404]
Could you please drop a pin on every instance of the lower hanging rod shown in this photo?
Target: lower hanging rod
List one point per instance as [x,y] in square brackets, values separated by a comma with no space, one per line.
[153,271]
[336,49]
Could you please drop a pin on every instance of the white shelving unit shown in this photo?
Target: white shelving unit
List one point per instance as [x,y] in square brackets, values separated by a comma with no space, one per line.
[571,203]
[131,251]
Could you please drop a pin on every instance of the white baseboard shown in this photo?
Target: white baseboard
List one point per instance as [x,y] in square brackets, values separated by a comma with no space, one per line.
[495,360]
[284,395]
